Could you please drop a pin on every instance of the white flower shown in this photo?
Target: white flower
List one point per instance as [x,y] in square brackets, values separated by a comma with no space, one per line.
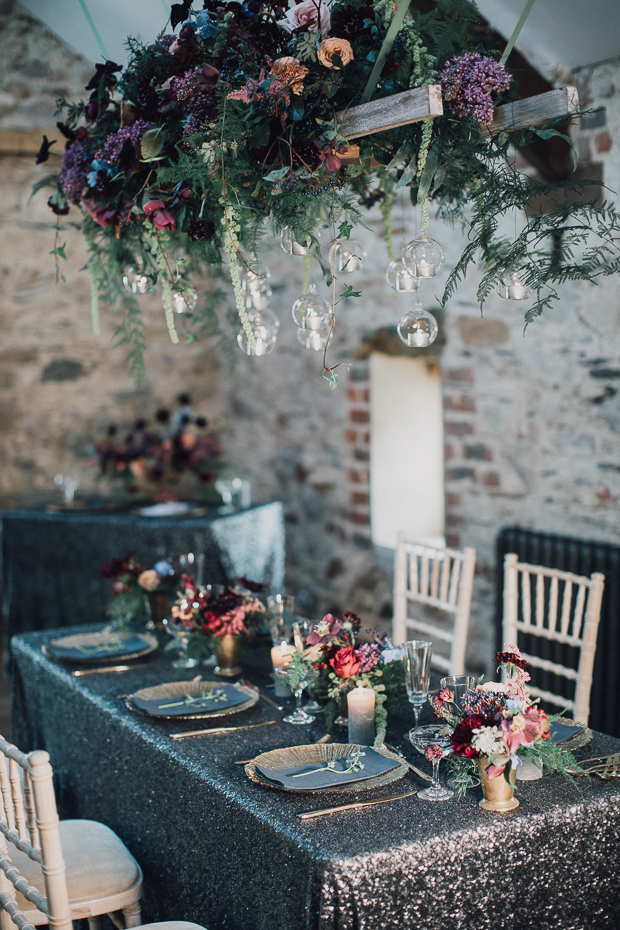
[497,686]
[309,15]
[488,741]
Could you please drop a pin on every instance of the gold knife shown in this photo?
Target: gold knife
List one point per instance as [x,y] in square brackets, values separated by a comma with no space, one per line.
[409,765]
[247,726]
[263,696]
[357,805]
[80,672]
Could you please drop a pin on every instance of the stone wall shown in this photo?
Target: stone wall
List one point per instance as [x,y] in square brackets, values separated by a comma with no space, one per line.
[531,420]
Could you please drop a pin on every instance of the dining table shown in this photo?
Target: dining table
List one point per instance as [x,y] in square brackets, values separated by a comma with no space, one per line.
[227,853]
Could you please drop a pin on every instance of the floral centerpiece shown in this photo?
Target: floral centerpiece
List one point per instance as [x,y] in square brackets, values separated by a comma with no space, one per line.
[136,589]
[160,456]
[216,622]
[498,725]
[234,119]
[342,661]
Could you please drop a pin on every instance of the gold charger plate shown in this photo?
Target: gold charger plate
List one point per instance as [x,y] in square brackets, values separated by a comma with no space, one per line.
[103,637]
[322,752]
[182,689]
[577,741]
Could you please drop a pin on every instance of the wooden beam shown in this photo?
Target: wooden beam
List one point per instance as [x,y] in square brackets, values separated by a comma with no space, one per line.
[398,110]
[28,141]
[533,110]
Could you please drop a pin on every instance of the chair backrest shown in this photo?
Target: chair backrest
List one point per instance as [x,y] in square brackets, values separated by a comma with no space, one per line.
[441,578]
[557,606]
[29,821]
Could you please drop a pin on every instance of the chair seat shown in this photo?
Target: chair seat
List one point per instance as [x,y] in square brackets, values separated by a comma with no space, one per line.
[171,925]
[98,865]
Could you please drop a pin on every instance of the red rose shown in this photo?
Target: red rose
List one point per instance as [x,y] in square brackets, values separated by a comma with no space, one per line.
[345,663]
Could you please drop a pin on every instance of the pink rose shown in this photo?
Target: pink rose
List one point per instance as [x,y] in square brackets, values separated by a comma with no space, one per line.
[149,580]
[306,17]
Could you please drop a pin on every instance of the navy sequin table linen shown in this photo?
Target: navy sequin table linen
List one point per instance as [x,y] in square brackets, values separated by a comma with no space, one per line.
[231,855]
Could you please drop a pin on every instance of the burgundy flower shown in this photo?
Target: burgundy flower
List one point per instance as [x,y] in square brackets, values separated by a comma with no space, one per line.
[462,736]
[255,586]
[159,215]
[345,663]
[324,632]
[510,658]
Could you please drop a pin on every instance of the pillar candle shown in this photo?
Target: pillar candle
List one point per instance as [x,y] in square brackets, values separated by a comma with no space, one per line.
[280,657]
[361,712]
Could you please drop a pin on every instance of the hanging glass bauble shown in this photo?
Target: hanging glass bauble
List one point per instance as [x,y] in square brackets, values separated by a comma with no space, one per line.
[313,339]
[136,282]
[257,299]
[418,328]
[399,278]
[290,245]
[348,254]
[184,301]
[511,287]
[310,311]
[423,257]
[264,325]
[254,276]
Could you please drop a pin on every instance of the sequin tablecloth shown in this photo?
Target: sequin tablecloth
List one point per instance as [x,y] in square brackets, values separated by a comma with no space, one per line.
[52,561]
[231,855]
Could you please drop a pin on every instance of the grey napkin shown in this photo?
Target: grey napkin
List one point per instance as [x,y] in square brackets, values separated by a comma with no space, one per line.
[560,733]
[316,775]
[220,699]
[112,650]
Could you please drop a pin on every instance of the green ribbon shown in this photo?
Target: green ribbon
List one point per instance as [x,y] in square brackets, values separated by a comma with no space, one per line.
[517,30]
[385,49]
[94,29]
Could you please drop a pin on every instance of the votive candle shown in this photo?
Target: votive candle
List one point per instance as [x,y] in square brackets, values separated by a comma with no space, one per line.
[280,657]
[361,713]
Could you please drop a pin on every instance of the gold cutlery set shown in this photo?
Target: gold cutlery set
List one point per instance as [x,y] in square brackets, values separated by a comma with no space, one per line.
[606,767]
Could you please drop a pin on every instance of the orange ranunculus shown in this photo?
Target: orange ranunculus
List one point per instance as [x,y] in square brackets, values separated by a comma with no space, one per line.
[331,47]
[290,72]
[148,580]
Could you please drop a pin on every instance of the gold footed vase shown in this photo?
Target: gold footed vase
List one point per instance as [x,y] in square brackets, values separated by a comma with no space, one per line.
[498,794]
[227,654]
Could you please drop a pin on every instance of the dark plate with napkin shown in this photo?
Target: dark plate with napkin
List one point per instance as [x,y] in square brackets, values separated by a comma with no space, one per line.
[192,699]
[102,646]
[569,734]
[321,768]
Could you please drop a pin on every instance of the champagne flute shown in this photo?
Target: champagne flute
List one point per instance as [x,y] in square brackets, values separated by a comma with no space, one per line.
[417,673]
[301,631]
[433,741]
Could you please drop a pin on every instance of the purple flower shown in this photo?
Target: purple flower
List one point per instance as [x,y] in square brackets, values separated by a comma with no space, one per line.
[195,90]
[468,82]
[369,656]
[74,171]
[324,632]
[116,143]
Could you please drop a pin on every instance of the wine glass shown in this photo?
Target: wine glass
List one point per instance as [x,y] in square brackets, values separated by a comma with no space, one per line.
[301,631]
[433,741]
[417,673]
[280,610]
[459,684]
[299,715]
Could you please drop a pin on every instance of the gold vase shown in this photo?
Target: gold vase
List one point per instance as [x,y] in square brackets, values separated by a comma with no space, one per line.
[498,793]
[227,655]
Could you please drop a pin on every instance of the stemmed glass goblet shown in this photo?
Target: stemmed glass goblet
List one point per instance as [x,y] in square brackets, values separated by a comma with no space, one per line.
[433,741]
[459,684]
[299,715]
[301,631]
[417,673]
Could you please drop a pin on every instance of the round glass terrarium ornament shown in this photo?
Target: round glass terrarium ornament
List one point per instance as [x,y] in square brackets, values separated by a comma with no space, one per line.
[418,328]
[290,245]
[184,301]
[399,278]
[423,257]
[313,339]
[264,325]
[512,287]
[135,281]
[254,276]
[347,255]
[310,311]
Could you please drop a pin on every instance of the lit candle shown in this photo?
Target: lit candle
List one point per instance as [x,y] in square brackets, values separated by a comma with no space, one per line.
[280,657]
[361,711]
[425,269]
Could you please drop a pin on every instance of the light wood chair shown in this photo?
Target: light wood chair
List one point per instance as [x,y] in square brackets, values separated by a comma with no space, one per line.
[441,578]
[57,872]
[551,604]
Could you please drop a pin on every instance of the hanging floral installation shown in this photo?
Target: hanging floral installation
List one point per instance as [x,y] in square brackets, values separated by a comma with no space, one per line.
[235,123]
